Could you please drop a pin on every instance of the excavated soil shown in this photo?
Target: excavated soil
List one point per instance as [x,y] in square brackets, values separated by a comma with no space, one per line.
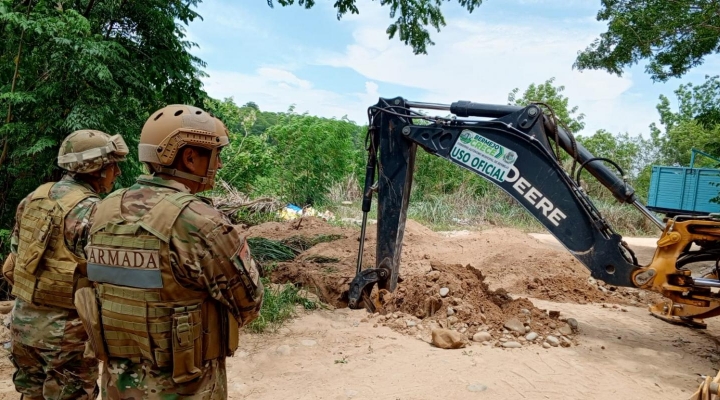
[507,258]
[469,305]
[487,273]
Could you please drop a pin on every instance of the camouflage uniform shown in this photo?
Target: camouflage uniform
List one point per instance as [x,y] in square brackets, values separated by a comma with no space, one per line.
[202,245]
[47,342]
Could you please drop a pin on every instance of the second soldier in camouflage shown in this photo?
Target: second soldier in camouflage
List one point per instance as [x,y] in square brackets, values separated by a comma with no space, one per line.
[47,264]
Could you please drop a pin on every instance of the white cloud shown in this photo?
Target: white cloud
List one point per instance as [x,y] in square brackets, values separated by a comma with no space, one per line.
[283,76]
[482,61]
[276,89]
[473,59]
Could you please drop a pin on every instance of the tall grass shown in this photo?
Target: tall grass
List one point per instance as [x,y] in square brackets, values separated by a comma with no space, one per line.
[468,209]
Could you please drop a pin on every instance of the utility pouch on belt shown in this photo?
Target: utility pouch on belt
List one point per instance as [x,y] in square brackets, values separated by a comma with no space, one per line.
[233,334]
[186,345]
[89,313]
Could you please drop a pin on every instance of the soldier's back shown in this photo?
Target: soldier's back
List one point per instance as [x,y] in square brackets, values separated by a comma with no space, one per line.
[188,222]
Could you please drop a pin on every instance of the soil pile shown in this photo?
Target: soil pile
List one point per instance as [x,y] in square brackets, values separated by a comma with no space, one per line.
[576,289]
[508,259]
[457,297]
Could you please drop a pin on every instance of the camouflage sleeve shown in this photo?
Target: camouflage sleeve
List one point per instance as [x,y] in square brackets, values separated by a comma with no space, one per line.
[77,225]
[214,256]
[9,265]
[15,235]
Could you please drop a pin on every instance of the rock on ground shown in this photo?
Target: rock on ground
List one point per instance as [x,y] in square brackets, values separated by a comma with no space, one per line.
[482,337]
[514,324]
[447,339]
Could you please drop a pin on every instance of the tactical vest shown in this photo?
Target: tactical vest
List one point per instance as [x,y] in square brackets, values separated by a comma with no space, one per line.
[46,271]
[144,313]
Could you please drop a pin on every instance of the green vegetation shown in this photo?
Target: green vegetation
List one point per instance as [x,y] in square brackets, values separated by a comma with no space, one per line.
[279,304]
[412,17]
[674,36]
[264,250]
[107,65]
[85,64]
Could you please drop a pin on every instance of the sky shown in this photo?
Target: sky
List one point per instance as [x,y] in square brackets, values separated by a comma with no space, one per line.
[283,56]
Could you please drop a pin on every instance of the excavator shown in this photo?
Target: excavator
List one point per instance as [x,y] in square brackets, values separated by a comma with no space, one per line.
[519,149]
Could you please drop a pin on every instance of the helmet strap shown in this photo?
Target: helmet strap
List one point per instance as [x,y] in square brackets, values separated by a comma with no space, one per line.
[206,182]
[184,175]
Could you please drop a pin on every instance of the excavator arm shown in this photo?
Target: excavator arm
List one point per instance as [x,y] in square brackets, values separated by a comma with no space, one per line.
[518,150]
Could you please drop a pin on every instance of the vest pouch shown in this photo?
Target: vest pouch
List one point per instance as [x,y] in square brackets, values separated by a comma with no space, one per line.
[186,345]
[37,246]
[233,334]
[8,269]
[89,313]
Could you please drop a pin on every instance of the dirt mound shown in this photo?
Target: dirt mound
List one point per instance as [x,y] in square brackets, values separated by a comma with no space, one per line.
[561,288]
[457,296]
[574,289]
[507,259]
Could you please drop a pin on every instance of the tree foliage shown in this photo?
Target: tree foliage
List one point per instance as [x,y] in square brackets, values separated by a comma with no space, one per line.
[249,156]
[553,96]
[296,157]
[310,154]
[85,65]
[411,17]
[673,35]
[695,123]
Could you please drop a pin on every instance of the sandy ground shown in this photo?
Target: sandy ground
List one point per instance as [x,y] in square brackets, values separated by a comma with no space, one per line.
[619,352]
[332,355]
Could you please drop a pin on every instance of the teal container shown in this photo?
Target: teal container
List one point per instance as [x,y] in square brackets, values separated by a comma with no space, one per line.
[684,190]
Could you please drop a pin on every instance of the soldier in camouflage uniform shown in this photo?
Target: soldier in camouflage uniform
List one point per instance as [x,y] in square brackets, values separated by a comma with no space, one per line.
[173,278]
[47,264]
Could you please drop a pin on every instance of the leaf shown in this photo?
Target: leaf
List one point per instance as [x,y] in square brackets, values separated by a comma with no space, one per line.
[40,145]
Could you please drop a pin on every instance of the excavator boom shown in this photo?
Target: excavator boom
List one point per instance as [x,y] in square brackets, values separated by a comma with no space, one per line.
[519,150]
[513,150]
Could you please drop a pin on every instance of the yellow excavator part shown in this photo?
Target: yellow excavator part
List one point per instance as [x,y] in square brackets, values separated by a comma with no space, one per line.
[687,302]
[708,390]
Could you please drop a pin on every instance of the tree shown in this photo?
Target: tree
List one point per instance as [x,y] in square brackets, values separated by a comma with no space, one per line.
[551,95]
[673,35]
[411,17]
[310,154]
[700,103]
[75,65]
[696,123]
[248,156]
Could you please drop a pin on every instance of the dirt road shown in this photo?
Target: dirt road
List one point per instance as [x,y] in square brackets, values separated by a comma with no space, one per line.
[475,283]
[332,355]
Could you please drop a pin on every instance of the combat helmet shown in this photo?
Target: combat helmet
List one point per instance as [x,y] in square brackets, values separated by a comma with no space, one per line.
[88,150]
[175,126]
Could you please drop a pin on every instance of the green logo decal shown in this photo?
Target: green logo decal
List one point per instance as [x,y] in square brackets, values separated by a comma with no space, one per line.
[483,155]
